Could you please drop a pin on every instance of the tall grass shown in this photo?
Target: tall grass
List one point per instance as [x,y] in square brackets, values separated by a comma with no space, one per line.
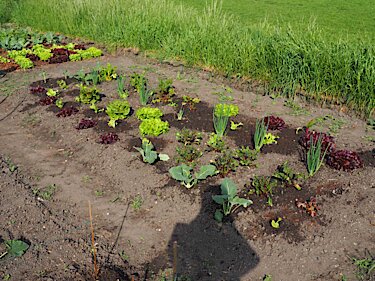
[293,61]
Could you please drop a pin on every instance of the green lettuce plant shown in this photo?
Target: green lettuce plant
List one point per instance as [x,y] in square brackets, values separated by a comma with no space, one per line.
[183,174]
[88,95]
[148,113]
[222,113]
[117,110]
[153,127]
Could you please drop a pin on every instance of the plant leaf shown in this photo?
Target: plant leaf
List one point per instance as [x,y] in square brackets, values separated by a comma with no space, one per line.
[228,187]
[218,215]
[241,201]
[220,199]
[163,157]
[16,247]
[205,171]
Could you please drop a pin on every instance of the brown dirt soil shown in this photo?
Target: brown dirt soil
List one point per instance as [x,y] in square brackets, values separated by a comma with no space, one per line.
[137,243]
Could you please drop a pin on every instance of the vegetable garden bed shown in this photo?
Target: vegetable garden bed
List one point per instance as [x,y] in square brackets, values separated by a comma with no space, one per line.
[185,172]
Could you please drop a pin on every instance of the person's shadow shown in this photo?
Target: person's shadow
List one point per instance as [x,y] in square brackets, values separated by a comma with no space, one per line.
[205,250]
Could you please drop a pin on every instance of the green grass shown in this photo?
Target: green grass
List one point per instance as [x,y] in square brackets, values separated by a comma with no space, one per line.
[353,19]
[290,61]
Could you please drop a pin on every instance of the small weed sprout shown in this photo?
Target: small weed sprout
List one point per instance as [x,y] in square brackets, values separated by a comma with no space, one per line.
[136,203]
[314,156]
[45,193]
[365,267]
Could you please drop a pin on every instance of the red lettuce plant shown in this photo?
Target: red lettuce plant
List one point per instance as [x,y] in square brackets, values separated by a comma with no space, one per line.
[48,100]
[328,142]
[344,159]
[68,111]
[32,57]
[38,90]
[108,138]
[79,47]
[310,206]
[60,55]
[86,123]
[274,122]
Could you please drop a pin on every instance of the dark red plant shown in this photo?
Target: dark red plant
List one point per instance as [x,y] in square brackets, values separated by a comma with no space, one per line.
[38,90]
[310,206]
[60,55]
[32,57]
[344,159]
[86,123]
[79,47]
[108,138]
[47,101]
[328,142]
[68,111]
[274,122]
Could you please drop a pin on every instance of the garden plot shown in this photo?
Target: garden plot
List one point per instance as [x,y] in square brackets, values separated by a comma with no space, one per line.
[184,172]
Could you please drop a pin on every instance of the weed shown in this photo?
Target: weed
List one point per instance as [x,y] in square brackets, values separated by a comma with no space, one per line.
[137,202]
[123,256]
[263,186]
[11,166]
[45,193]
[365,267]
[99,193]
[225,94]
[296,109]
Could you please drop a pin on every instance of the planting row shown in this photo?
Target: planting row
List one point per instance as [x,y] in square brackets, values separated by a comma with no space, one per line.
[24,48]
[319,147]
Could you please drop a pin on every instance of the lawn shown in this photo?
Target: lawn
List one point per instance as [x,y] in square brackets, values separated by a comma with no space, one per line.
[355,19]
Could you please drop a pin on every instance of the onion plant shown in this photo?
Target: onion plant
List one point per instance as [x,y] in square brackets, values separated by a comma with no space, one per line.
[314,156]
[260,134]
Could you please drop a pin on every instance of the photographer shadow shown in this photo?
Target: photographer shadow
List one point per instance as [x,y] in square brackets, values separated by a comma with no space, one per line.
[206,250]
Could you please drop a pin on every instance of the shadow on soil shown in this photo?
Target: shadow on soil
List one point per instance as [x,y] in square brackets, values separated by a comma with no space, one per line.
[205,250]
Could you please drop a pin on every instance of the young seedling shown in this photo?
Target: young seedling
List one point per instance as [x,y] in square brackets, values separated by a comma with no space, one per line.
[276,223]
[235,126]
[62,84]
[190,102]
[286,175]
[226,162]
[314,156]
[270,139]
[310,205]
[144,95]
[52,93]
[246,156]
[183,174]
[263,186]
[229,199]
[216,143]
[148,154]
[189,137]
[59,103]
[122,93]
[180,114]
[137,202]
[187,153]
[15,248]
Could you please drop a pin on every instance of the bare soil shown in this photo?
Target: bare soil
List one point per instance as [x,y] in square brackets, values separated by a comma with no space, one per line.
[137,244]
